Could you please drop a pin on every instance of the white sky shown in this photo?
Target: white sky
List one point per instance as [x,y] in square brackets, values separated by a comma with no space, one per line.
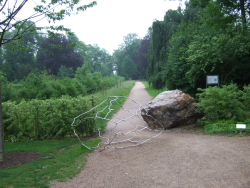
[110,20]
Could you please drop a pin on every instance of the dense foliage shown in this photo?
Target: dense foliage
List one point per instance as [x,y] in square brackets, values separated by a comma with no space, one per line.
[60,56]
[56,52]
[42,119]
[45,118]
[41,85]
[131,58]
[125,57]
[224,107]
[205,38]
[143,56]
[46,82]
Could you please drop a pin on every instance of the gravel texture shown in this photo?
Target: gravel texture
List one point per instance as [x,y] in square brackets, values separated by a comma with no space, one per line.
[175,159]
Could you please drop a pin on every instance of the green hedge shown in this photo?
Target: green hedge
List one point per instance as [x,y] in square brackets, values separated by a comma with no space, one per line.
[46,118]
[43,86]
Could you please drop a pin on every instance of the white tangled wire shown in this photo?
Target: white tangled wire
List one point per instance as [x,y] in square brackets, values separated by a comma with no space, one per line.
[117,137]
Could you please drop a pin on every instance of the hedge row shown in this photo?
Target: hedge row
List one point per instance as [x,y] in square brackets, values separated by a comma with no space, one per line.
[46,118]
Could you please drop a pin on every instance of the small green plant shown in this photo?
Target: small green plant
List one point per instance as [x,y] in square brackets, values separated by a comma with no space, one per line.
[221,126]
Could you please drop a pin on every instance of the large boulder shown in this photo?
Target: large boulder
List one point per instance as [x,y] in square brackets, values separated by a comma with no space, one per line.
[170,109]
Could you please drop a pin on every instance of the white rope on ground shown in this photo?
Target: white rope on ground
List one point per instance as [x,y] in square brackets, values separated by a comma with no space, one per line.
[129,137]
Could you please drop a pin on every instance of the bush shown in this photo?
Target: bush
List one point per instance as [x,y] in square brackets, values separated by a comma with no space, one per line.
[224,108]
[221,103]
[246,97]
[46,118]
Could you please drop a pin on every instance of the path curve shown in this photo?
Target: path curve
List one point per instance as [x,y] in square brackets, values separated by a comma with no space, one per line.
[172,160]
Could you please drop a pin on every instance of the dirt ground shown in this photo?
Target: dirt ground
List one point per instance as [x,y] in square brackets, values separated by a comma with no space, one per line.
[19,158]
[179,158]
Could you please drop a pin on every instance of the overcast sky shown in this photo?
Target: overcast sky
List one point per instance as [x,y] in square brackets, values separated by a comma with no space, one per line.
[110,20]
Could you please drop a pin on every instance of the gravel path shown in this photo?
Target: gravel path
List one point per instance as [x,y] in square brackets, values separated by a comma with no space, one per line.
[172,160]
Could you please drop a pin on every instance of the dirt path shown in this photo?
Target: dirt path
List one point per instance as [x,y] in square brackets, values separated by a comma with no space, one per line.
[172,160]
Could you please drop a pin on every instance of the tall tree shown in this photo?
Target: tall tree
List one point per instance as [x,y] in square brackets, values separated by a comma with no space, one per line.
[161,36]
[211,44]
[98,59]
[125,57]
[53,11]
[58,51]
[143,56]
[19,57]
[239,9]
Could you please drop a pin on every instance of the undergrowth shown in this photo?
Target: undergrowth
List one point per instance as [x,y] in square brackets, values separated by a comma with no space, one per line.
[224,108]
[226,126]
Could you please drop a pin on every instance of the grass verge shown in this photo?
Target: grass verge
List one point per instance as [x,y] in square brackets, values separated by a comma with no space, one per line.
[151,91]
[60,159]
[121,90]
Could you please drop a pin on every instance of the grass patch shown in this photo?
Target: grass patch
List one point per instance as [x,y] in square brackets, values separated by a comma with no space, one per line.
[60,159]
[151,91]
[122,89]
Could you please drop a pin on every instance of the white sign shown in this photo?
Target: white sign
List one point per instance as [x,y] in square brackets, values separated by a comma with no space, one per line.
[213,79]
[241,126]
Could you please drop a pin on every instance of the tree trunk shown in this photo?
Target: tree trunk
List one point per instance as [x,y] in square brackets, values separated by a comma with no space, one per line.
[243,14]
[2,149]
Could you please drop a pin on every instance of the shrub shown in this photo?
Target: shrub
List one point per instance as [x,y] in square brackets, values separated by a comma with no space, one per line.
[246,97]
[224,108]
[46,118]
[221,103]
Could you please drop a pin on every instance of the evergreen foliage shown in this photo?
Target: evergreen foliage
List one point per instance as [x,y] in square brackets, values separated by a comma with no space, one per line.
[222,103]
[161,35]
[224,108]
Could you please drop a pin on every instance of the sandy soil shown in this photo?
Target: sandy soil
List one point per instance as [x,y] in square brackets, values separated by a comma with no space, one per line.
[175,159]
